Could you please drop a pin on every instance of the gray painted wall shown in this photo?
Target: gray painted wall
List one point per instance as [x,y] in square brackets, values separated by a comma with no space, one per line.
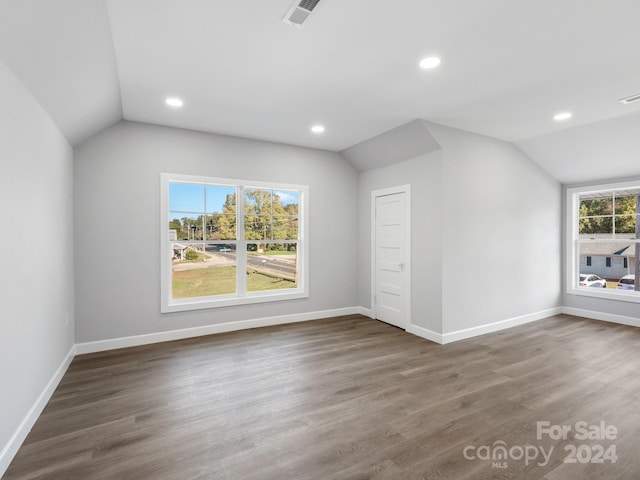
[117,213]
[424,174]
[36,279]
[486,232]
[501,231]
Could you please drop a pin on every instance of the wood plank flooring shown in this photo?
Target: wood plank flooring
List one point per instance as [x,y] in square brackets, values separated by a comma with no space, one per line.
[342,399]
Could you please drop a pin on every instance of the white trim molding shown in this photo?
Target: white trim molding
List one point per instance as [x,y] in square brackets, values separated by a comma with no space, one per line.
[15,442]
[573,240]
[425,333]
[500,325]
[167,336]
[605,317]
[241,295]
[450,337]
[367,312]
[444,338]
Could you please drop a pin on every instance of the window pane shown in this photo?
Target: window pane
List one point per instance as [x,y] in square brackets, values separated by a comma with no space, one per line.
[288,200]
[202,270]
[285,228]
[221,227]
[596,206]
[186,197]
[258,201]
[626,224]
[221,199]
[625,204]
[606,242]
[596,213]
[186,226]
[609,260]
[206,222]
[597,225]
[271,266]
[176,230]
[257,227]
[597,252]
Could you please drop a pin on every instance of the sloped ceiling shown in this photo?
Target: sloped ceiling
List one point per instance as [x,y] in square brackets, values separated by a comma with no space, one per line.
[606,150]
[401,143]
[507,66]
[62,51]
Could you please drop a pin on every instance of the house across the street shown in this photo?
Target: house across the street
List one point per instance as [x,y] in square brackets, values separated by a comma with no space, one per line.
[608,260]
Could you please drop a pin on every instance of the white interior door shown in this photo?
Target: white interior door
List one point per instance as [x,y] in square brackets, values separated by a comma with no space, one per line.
[392,266]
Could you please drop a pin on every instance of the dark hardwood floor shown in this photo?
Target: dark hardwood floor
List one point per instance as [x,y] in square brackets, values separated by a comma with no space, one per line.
[344,399]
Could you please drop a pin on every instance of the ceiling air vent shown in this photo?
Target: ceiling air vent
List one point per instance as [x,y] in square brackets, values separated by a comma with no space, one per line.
[299,12]
[631,99]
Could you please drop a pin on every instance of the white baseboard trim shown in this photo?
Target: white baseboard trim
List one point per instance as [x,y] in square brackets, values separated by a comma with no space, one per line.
[11,448]
[481,329]
[146,339]
[501,325]
[425,333]
[606,317]
[367,312]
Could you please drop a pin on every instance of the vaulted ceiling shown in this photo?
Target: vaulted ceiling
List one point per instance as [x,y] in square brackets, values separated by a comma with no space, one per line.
[507,67]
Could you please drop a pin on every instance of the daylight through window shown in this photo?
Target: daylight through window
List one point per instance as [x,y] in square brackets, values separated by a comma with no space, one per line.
[604,241]
[229,242]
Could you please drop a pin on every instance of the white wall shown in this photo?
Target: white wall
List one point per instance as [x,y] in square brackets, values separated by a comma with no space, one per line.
[36,241]
[501,232]
[117,189]
[424,174]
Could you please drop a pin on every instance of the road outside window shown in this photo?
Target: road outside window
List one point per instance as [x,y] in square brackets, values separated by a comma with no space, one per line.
[228,242]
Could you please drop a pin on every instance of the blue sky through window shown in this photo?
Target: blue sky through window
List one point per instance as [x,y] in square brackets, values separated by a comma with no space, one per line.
[190,197]
[288,196]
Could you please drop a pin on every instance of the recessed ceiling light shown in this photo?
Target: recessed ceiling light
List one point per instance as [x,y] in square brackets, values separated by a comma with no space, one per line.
[562,116]
[317,129]
[174,102]
[429,62]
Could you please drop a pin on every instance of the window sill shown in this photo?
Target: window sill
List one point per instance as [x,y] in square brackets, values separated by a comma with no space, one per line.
[608,294]
[202,303]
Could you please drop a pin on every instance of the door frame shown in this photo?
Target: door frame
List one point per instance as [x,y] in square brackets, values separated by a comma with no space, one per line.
[406,189]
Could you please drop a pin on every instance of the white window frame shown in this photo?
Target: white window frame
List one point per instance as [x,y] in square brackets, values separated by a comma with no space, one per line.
[572,250]
[241,297]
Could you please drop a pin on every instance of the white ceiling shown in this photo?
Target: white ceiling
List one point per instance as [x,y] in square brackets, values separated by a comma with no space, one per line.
[507,65]
[62,51]
[607,150]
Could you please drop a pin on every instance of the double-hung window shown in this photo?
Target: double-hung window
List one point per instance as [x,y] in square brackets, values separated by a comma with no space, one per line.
[603,238]
[231,242]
